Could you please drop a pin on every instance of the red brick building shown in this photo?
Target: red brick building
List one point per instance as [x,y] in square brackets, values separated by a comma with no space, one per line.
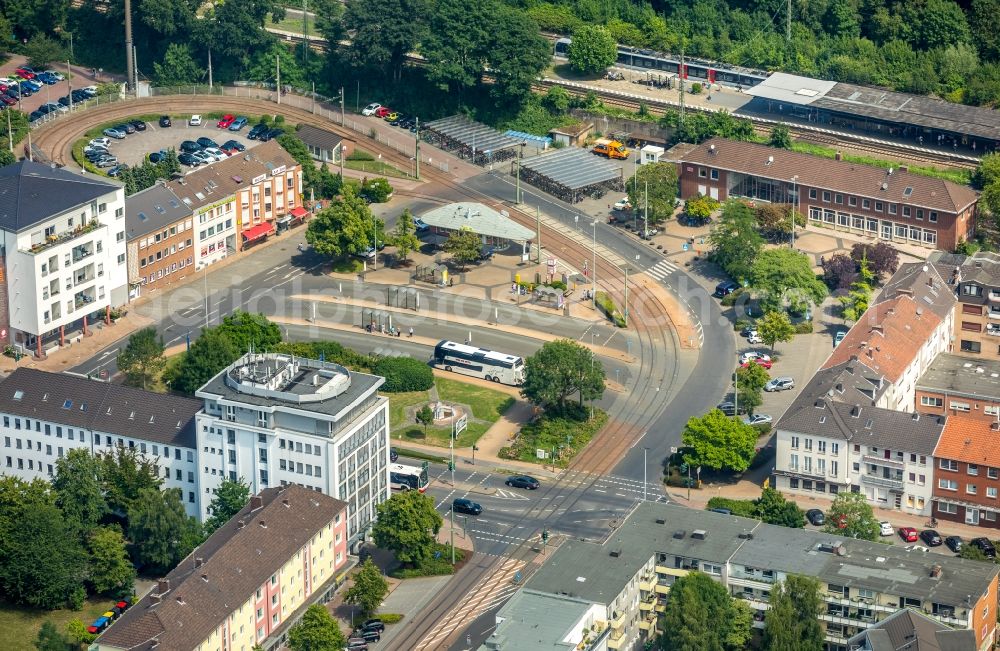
[891,204]
[967,472]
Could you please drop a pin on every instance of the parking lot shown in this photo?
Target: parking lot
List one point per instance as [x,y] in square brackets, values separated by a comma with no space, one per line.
[50,93]
[134,148]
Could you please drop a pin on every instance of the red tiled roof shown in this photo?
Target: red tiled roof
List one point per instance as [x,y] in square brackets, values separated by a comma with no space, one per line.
[970,440]
[887,337]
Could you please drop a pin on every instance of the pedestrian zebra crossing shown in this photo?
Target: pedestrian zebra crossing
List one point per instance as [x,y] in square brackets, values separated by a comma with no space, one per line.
[662,269]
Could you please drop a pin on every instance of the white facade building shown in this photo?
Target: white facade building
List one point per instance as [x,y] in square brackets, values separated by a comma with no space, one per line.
[274,419]
[45,415]
[63,254]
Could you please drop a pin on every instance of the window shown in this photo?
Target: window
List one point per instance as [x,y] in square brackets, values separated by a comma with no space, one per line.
[948,484]
[920,214]
[702,173]
[931,401]
[958,406]
[852,201]
[120,237]
[972,290]
[948,464]
[714,175]
[826,196]
[878,206]
[821,447]
[793,462]
[866,204]
[812,193]
[970,489]
[945,507]
[992,473]
[932,216]
[972,469]
[795,443]
[838,198]
[991,492]
[892,209]
[970,346]
[834,470]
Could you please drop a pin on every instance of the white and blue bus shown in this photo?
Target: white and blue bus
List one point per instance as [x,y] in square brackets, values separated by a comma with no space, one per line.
[479,362]
[407,478]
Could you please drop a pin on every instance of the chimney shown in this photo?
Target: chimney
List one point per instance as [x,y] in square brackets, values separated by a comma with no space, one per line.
[904,291]
[935,571]
[838,156]
[256,502]
[285,502]
[198,562]
[204,577]
[891,311]
[154,598]
[878,328]
[163,586]
[263,525]
[870,355]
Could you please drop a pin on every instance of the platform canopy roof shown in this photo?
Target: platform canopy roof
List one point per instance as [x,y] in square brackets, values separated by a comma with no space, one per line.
[574,168]
[473,134]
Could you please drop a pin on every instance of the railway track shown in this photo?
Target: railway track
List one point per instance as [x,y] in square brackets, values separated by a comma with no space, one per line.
[637,413]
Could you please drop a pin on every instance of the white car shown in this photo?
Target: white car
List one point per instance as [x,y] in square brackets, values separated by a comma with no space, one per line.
[202,157]
[917,548]
[195,121]
[780,384]
[752,355]
[371,108]
[56,75]
[215,153]
[757,419]
[100,142]
[622,204]
[754,338]
[885,529]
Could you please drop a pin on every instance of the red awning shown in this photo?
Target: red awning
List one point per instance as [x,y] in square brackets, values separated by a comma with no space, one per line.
[299,212]
[258,231]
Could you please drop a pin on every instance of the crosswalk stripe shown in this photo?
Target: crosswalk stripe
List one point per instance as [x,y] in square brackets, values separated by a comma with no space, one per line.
[662,269]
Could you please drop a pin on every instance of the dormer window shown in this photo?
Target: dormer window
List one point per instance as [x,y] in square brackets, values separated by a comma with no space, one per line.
[972,290]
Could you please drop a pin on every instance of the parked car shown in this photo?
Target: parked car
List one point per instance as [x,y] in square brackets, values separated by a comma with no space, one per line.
[884,528]
[754,338]
[954,543]
[357,644]
[730,409]
[195,121]
[622,204]
[917,548]
[238,124]
[190,146]
[366,635]
[257,130]
[138,124]
[522,481]
[231,147]
[25,72]
[157,156]
[202,157]
[165,122]
[33,116]
[725,288]
[757,419]
[766,363]
[421,225]
[751,355]
[107,161]
[371,108]
[908,534]
[985,546]
[270,134]
[89,91]
[391,116]
[100,142]
[815,517]
[55,73]
[117,169]
[114,132]
[382,111]
[226,121]
[931,537]
[188,159]
[839,337]
[205,143]
[215,153]
[374,624]
[8,100]
[55,106]
[25,89]
[463,505]
[780,384]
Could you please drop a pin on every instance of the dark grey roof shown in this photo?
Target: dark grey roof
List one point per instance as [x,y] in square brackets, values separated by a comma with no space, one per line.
[99,406]
[957,375]
[818,411]
[851,381]
[319,138]
[925,284]
[152,210]
[31,192]
[912,630]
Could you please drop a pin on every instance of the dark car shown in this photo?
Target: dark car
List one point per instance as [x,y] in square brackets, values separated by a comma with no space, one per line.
[462,505]
[189,160]
[127,127]
[231,147]
[157,156]
[748,330]
[522,481]
[375,624]
[729,409]
[117,169]
[985,546]
[393,455]
[815,517]
[138,124]
[931,537]
[954,543]
[271,134]
[207,142]
[165,121]
[33,116]
[257,130]
[9,101]
[357,644]
[367,635]
[190,146]
[238,124]
[725,288]
[25,89]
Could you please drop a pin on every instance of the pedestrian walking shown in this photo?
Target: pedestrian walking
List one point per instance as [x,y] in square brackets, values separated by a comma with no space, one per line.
[411,331]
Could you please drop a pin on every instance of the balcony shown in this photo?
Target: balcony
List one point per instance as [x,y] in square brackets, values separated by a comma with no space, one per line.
[619,622]
[992,329]
[850,620]
[882,461]
[83,251]
[896,484]
[83,298]
[55,240]
[647,585]
[84,275]
[755,580]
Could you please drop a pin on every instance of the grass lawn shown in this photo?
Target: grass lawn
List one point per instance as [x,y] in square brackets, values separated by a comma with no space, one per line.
[348,265]
[293,24]
[486,404]
[19,626]
[398,402]
[377,167]
[172,362]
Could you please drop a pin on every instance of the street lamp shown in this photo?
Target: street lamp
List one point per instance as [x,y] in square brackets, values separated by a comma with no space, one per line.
[795,197]
[520,153]
[593,277]
[592,356]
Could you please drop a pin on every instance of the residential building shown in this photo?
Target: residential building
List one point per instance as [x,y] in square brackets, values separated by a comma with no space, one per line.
[608,595]
[967,473]
[894,205]
[274,419]
[911,629]
[826,443]
[976,279]
[160,238]
[44,415]
[324,146]
[248,583]
[62,266]
[238,201]
[956,384]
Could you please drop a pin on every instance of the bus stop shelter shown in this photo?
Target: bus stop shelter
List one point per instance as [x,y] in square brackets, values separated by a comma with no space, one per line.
[471,140]
[573,174]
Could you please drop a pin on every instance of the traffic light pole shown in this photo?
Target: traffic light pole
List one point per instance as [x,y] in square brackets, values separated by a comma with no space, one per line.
[453,535]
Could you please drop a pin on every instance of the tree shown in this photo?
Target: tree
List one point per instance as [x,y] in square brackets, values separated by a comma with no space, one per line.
[404,237]
[773,508]
[593,49]
[246,330]
[702,616]
[161,532]
[76,633]
[142,361]
[344,228]
[425,416]
[316,631]
[376,190]
[457,49]
[735,240]
[775,327]
[178,67]
[784,276]
[792,621]
[780,137]
[839,271]
[79,489]
[984,22]
[42,50]
[407,524]
[209,354]
[464,245]
[661,181]
[19,127]
[111,571]
[860,295]
[230,498]
[719,442]
[882,256]
[43,561]
[518,55]
[404,374]
[700,207]
[383,34]
[851,515]
[560,369]
[125,474]
[369,588]
[750,381]
[50,639]
[7,157]
[775,220]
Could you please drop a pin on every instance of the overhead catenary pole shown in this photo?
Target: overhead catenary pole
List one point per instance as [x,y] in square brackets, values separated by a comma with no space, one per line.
[625,309]
[69,83]
[342,106]
[538,235]
[645,214]
[680,92]
[305,33]
[129,52]
[210,69]
[277,75]
[135,71]
[795,198]
[416,149]
[593,273]
[10,134]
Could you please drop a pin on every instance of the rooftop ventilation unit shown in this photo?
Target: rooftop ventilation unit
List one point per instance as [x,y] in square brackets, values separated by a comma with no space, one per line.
[699,534]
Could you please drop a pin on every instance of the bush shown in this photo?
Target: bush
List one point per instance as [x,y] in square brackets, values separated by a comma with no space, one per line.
[804,327]
[440,566]
[729,300]
[390,618]
[330,351]
[743,508]
[606,305]
[404,374]
[360,154]
[376,190]
[741,323]
[696,88]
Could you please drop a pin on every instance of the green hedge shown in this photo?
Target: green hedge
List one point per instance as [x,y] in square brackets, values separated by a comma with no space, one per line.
[434,567]
[804,328]
[729,300]
[744,508]
[607,306]
[389,618]
[404,374]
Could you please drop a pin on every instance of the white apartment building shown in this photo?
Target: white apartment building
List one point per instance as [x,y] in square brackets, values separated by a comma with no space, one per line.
[831,440]
[274,419]
[44,415]
[63,257]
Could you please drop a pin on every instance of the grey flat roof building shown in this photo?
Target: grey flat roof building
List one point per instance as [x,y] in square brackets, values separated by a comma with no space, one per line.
[956,375]
[538,621]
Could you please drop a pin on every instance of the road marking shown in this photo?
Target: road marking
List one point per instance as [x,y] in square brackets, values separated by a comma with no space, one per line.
[662,269]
